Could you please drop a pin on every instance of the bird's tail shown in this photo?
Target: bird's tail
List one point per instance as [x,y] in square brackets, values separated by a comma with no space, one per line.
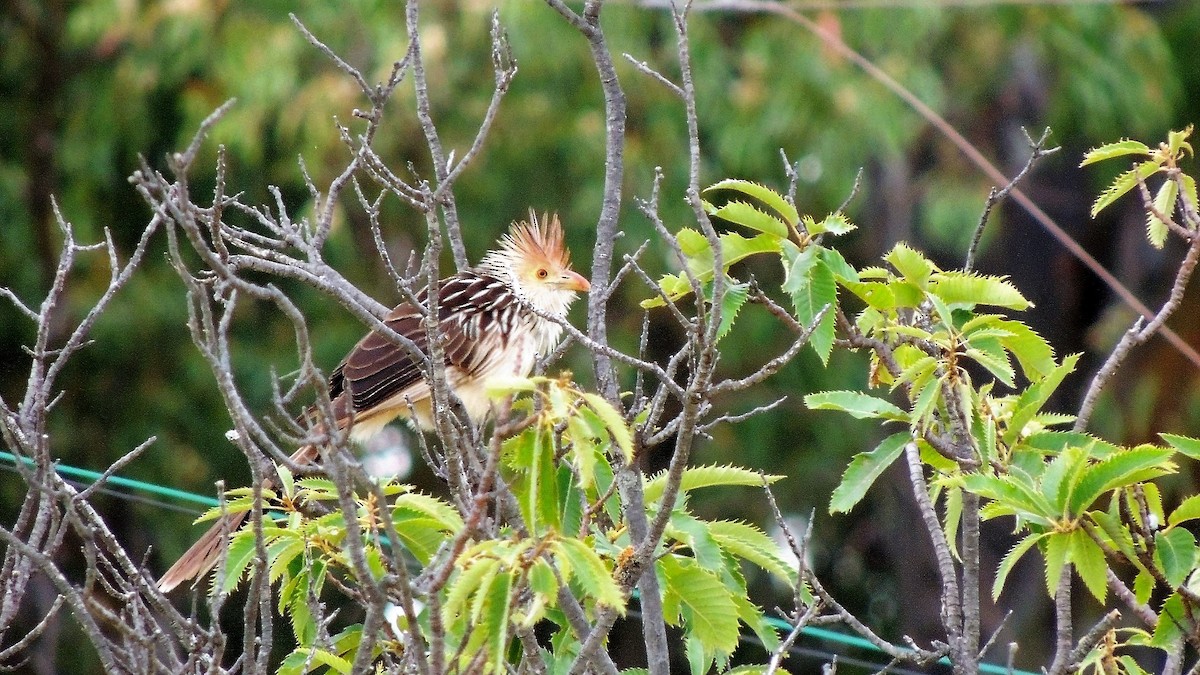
[204,554]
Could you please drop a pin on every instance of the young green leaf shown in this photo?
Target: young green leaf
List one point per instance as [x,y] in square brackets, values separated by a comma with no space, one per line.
[966,289]
[856,404]
[613,422]
[694,533]
[1187,446]
[1173,615]
[773,200]
[834,223]
[1010,559]
[1032,351]
[813,287]
[589,570]
[1190,199]
[1057,546]
[1175,554]
[1164,203]
[1122,184]
[863,470]
[1188,510]
[746,215]
[750,543]
[1177,140]
[735,298]
[1089,564]
[705,603]
[238,559]
[913,266]
[706,476]
[493,621]
[1119,470]
[837,264]
[1119,149]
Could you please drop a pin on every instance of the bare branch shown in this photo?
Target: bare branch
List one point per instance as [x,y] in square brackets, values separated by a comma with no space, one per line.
[996,196]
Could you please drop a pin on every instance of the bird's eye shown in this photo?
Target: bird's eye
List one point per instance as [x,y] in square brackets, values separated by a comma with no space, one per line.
[542,273]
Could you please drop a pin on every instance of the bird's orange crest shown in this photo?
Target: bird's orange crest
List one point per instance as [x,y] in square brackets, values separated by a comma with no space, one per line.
[537,241]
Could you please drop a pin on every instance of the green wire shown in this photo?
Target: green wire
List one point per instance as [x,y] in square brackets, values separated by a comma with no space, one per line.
[856,641]
[93,476]
[172,493]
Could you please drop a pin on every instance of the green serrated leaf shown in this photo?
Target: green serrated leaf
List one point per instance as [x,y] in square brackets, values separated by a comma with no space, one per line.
[1010,560]
[773,200]
[856,404]
[953,510]
[706,605]
[813,287]
[1032,351]
[691,242]
[423,505]
[280,555]
[1189,192]
[1090,564]
[238,559]
[1188,510]
[877,295]
[240,505]
[541,579]
[1184,444]
[1143,586]
[837,264]
[835,224]
[967,289]
[1172,616]
[472,575]
[1119,149]
[1175,554]
[591,573]
[913,266]
[750,543]
[1057,546]
[1015,493]
[493,620]
[614,422]
[1164,203]
[1119,470]
[694,533]
[860,475]
[748,216]
[989,354]
[735,298]
[696,477]
[1122,184]
[1030,402]
[1177,140]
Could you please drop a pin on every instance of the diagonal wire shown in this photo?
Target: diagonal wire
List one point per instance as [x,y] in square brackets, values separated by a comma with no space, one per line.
[89,477]
[972,153]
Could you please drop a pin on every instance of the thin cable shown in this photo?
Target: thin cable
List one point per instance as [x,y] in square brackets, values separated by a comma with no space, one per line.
[91,477]
[972,153]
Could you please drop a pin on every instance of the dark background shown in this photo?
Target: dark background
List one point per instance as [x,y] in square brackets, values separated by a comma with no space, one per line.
[87,87]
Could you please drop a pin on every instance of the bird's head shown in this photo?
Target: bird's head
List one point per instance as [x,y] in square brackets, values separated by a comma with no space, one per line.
[533,258]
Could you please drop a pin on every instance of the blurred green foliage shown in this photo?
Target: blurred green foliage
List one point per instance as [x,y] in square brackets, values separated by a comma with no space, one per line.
[90,86]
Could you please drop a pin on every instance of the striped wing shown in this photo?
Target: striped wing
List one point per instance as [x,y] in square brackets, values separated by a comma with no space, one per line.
[477,312]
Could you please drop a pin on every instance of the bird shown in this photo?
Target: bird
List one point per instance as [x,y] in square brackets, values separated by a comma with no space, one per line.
[494,321]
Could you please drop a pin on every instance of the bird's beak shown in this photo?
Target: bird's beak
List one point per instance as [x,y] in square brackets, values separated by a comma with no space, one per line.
[576,282]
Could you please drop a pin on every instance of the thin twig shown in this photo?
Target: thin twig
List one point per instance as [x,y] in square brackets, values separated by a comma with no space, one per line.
[996,196]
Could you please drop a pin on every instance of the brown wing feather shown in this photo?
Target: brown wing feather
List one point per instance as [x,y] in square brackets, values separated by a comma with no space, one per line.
[470,304]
